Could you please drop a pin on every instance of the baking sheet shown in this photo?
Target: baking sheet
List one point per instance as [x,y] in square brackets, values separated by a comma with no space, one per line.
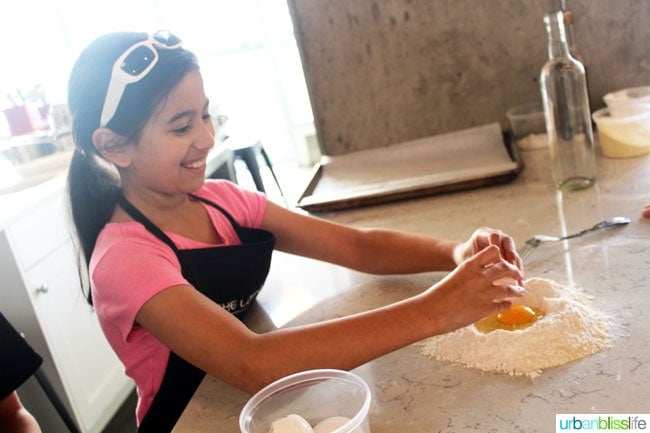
[456,161]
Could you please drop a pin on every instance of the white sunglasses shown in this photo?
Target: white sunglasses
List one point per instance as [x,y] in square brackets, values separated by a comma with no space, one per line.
[132,66]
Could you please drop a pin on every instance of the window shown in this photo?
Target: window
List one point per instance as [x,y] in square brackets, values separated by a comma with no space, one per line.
[246,50]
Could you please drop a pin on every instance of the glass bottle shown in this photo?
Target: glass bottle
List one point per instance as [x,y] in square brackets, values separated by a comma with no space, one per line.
[566,110]
[568,32]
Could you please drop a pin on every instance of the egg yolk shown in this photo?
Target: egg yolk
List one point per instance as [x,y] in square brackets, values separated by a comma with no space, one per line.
[516,318]
[517,315]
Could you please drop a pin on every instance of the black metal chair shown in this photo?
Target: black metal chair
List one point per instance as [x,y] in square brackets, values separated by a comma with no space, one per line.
[248,151]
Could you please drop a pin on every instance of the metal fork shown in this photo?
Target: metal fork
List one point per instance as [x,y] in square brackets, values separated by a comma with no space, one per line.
[531,244]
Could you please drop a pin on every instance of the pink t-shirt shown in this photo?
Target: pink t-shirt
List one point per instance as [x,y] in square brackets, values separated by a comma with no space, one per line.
[129,265]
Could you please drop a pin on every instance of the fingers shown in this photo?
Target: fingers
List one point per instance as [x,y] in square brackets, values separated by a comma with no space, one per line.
[487,256]
[485,237]
[496,271]
[509,252]
[507,292]
[645,212]
[505,278]
[506,275]
[504,305]
[475,285]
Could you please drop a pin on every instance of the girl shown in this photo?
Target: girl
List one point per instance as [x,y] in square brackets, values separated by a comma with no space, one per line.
[175,261]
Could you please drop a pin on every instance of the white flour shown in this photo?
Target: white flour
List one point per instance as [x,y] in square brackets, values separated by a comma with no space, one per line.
[570,330]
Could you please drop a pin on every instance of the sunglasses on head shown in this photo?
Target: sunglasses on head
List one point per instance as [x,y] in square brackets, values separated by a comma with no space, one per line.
[132,66]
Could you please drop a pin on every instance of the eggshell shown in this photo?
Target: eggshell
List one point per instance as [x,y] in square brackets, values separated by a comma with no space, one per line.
[505,281]
[328,425]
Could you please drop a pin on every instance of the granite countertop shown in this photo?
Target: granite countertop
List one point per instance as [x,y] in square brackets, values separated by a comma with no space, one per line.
[413,393]
[15,204]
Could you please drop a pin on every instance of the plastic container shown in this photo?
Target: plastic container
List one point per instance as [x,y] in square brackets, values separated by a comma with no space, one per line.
[623,137]
[315,395]
[528,126]
[628,102]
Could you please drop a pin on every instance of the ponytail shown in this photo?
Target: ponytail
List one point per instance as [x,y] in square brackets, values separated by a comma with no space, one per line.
[93,188]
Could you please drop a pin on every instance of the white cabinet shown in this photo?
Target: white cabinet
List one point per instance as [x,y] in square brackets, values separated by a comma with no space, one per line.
[90,378]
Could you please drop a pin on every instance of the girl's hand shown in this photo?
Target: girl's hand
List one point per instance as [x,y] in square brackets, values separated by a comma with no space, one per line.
[469,293]
[484,237]
[645,212]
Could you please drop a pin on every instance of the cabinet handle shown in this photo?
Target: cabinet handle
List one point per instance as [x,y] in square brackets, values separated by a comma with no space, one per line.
[42,289]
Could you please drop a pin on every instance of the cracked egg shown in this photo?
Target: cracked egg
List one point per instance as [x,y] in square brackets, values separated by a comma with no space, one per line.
[516,318]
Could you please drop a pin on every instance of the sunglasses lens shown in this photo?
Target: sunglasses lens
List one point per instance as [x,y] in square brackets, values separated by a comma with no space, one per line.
[167,39]
[138,60]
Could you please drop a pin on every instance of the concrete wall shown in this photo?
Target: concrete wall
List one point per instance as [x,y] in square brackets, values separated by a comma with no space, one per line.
[386,71]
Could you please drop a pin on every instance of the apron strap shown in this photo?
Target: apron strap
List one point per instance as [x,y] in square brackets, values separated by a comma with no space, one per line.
[225,213]
[139,217]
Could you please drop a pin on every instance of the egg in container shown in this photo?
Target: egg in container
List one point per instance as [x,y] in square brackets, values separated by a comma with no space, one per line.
[318,401]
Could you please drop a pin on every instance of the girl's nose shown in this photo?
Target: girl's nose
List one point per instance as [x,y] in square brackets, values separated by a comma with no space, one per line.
[205,138]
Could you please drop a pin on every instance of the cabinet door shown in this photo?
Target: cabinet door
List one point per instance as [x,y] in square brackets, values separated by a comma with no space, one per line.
[39,232]
[92,375]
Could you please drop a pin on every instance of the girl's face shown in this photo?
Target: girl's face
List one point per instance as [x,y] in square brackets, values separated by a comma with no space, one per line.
[170,157]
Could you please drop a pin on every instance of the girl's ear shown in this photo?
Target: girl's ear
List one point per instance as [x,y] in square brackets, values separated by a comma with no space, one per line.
[113,147]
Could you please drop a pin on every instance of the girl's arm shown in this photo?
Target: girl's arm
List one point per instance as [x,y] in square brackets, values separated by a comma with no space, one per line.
[215,341]
[378,251]
[209,337]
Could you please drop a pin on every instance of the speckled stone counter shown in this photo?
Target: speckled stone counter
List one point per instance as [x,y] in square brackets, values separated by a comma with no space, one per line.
[413,393]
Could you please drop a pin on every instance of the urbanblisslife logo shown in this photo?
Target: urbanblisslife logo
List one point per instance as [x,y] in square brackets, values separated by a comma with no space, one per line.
[586,422]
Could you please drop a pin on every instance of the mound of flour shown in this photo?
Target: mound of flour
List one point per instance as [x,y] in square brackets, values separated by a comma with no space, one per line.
[569,330]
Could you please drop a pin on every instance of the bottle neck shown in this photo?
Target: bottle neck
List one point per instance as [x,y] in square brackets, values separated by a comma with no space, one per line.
[568,31]
[557,37]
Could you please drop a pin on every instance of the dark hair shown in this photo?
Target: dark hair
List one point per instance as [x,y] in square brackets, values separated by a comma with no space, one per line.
[93,183]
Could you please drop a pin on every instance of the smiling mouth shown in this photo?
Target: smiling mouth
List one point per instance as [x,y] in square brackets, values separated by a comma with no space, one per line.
[194,164]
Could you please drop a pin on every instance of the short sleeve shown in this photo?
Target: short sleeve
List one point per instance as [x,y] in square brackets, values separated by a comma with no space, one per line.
[127,271]
[247,207]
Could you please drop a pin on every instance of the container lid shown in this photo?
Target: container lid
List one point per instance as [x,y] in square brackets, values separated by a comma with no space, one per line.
[636,94]
[604,115]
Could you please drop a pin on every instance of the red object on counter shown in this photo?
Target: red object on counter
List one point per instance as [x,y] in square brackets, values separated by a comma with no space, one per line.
[25,119]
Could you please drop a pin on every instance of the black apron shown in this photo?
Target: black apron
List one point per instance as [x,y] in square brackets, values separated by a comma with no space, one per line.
[231,276]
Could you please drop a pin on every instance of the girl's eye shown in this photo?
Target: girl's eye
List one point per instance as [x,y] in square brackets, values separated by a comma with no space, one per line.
[186,128]
[182,130]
